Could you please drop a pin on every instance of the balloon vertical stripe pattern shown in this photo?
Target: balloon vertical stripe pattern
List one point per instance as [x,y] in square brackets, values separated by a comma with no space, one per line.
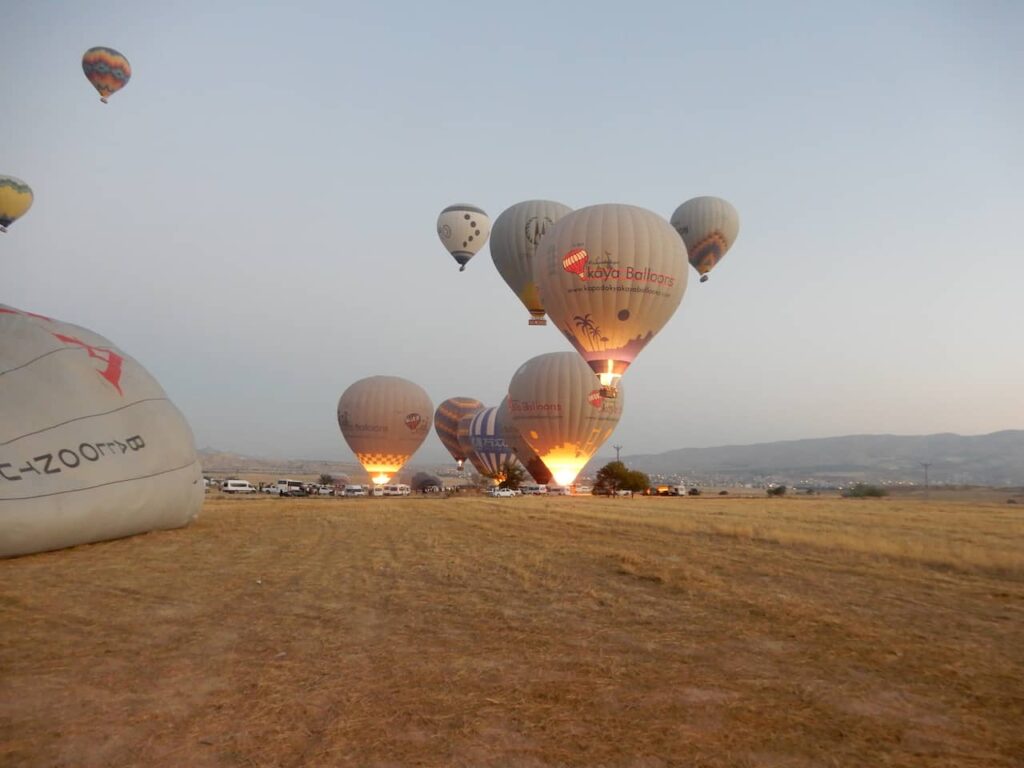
[108,70]
[488,444]
[446,424]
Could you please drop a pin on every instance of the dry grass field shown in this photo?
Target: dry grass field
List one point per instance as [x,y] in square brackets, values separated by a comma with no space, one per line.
[525,632]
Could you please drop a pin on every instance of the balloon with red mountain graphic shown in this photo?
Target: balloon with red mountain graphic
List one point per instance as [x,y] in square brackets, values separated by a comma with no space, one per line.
[708,226]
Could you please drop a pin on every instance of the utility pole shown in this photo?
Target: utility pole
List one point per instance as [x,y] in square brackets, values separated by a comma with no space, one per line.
[926,464]
[617,449]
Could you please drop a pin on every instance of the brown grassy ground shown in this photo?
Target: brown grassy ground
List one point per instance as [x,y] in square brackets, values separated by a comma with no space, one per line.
[525,632]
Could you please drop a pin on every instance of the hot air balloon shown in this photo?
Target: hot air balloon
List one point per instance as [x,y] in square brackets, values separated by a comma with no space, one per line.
[488,444]
[91,448]
[514,240]
[708,226]
[554,402]
[15,199]
[463,229]
[527,456]
[107,70]
[610,277]
[384,419]
[446,424]
[466,443]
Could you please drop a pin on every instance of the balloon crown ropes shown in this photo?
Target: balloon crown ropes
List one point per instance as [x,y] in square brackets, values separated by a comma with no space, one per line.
[108,70]
[15,200]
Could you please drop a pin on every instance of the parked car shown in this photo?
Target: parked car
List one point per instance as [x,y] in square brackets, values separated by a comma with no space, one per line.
[502,492]
[355,490]
[291,488]
[237,486]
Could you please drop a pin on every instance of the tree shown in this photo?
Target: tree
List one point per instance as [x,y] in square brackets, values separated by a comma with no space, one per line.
[423,480]
[778,490]
[326,479]
[511,474]
[616,476]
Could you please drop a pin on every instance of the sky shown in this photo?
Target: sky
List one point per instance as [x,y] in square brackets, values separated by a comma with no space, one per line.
[253,216]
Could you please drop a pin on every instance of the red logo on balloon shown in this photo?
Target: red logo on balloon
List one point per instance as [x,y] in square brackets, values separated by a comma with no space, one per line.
[595,399]
[574,261]
[412,421]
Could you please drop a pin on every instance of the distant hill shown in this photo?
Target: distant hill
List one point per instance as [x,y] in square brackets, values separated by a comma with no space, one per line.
[996,459]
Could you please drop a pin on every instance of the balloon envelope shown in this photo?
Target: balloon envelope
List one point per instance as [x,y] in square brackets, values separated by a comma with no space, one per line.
[708,226]
[384,420]
[463,229]
[555,404]
[466,443]
[514,239]
[15,199]
[527,456]
[610,277]
[446,424]
[108,70]
[488,444]
[91,448]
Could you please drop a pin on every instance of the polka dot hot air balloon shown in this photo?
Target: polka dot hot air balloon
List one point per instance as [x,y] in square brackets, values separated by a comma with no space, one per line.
[108,70]
[463,229]
[15,199]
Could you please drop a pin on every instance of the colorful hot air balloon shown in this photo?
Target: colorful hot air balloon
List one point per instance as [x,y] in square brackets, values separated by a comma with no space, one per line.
[610,277]
[446,424]
[558,409]
[708,226]
[384,419]
[466,443]
[15,199]
[527,456]
[488,444]
[107,70]
[514,240]
[463,229]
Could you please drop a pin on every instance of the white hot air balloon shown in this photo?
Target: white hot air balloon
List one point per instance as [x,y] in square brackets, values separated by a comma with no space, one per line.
[489,445]
[527,456]
[463,229]
[610,277]
[557,407]
[708,226]
[384,420]
[516,234]
[91,448]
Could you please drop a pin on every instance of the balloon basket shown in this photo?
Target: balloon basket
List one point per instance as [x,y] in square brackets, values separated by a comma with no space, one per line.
[538,321]
[703,278]
[609,393]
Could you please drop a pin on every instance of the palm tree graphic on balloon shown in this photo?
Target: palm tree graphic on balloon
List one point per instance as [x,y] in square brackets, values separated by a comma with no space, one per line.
[586,324]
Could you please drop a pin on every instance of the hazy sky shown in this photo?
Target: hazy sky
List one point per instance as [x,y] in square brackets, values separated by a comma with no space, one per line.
[253,217]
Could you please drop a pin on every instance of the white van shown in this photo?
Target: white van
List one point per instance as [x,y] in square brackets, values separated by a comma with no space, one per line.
[237,486]
[533,490]
[355,490]
[291,488]
[397,490]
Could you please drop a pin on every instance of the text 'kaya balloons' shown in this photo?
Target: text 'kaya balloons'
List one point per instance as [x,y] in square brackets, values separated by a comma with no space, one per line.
[90,447]
[384,420]
[514,239]
[107,70]
[463,229]
[15,200]
[610,277]
[446,424]
[527,456]
[558,410]
[708,226]
[488,444]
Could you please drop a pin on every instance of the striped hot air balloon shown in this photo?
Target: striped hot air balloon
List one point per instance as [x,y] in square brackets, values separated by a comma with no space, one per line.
[108,70]
[489,445]
[446,424]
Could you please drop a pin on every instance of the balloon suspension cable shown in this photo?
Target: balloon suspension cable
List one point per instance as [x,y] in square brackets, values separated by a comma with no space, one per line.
[703,278]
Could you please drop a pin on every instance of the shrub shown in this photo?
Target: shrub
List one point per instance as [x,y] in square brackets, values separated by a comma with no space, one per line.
[865,491]
[778,490]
